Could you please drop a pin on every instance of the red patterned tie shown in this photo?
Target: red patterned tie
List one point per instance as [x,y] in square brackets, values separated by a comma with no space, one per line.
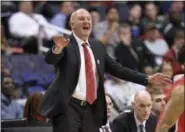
[90,79]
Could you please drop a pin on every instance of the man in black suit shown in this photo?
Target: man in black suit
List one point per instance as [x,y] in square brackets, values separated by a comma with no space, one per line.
[138,120]
[76,99]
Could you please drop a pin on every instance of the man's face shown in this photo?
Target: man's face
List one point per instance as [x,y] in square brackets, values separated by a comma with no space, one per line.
[158,102]
[152,34]
[26,7]
[142,108]
[113,15]
[109,106]
[125,31]
[177,6]
[8,86]
[135,11]
[82,24]
[167,70]
[179,42]
[151,10]
[68,8]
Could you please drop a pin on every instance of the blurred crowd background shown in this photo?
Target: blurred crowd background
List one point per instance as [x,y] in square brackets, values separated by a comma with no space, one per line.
[143,36]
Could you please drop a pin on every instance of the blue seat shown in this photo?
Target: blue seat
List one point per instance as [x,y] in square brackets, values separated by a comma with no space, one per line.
[49,78]
[35,89]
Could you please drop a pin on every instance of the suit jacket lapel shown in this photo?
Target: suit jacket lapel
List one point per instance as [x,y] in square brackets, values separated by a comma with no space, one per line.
[132,122]
[94,50]
[148,124]
[74,44]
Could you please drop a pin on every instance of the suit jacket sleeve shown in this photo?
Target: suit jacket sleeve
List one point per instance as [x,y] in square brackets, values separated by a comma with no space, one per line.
[121,72]
[52,58]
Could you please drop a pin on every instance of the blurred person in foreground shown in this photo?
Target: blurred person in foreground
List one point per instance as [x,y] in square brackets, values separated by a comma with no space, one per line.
[173,113]
[10,109]
[29,27]
[140,119]
[31,111]
[76,98]
[29,22]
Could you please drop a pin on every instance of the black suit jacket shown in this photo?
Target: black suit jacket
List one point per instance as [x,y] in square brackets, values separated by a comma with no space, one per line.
[55,100]
[126,123]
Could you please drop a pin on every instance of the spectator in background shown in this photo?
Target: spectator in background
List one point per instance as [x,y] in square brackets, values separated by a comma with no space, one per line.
[60,18]
[151,16]
[10,109]
[107,31]
[175,21]
[140,119]
[122,93]
[130,52]
[125,52]
[95,18]
[5,72]
[171,55]
[166,69]
[135,19]
[44,8]
[5,46]
[31,111]
[158,102]
[148,70]
[3,40]
[157,46]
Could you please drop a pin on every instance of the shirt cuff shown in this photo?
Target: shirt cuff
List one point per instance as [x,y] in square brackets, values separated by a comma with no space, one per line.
[56,52]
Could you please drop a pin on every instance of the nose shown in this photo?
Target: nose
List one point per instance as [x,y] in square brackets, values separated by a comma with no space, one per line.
[163,102]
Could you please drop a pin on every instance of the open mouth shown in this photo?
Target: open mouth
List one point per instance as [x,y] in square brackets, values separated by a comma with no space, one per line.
[86,28]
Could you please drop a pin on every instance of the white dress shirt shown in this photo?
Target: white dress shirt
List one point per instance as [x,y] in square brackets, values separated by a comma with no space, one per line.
[24,25]
[103,128]
[80,91]
[138,123]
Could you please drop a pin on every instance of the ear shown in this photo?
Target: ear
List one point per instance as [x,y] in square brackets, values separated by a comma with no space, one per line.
[133,104]
[72,25]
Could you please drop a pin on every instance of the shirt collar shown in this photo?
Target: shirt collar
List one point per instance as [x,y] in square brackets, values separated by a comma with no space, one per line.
[80,41]
[138,122]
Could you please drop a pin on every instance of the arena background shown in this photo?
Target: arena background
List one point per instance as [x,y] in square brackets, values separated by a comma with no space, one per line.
[156,32]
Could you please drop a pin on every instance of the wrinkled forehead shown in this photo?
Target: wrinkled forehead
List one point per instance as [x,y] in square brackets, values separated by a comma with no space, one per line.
[159,96]
[82,13]
[144,100]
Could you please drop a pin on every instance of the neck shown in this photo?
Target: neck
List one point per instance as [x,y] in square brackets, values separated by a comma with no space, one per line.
[84,38]
[153,18]
[134,20]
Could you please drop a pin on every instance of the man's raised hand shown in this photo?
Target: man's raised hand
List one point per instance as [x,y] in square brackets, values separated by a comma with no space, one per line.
[60,43]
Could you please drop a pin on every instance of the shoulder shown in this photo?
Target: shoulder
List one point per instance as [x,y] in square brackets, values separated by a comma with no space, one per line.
[96,42]
[59,15]
[15,15]
[123,118]
[153,118]
[102,24]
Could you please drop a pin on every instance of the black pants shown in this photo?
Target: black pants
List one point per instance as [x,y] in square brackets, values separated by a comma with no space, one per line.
[78,119]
